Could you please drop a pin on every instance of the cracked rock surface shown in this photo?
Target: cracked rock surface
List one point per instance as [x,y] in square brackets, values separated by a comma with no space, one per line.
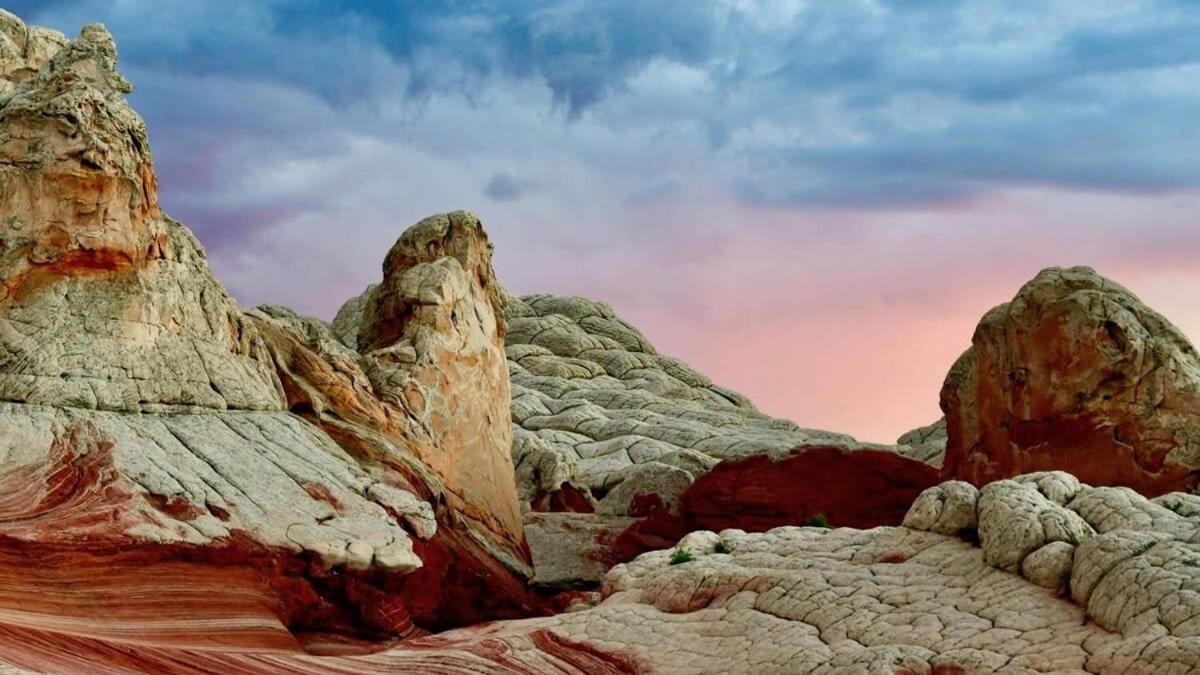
[595,404]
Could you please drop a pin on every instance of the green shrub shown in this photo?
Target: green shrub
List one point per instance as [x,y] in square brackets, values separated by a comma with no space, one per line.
[722,546]
[681,555]
[818,520]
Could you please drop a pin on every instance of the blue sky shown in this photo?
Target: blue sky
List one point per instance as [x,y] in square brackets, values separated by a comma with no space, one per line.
[810,173]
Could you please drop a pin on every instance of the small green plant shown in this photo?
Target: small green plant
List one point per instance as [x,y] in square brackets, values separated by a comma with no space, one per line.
[1177,507]
[681,555]
[818,520]
[722,546]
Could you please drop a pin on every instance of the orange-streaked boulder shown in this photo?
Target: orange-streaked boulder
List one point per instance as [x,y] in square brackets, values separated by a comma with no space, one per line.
[1077,374]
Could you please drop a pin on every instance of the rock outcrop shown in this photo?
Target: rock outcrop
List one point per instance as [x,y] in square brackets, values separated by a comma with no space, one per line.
[927,443]
[607,426]
[595,405]
[143,412]
[186,486]
[789,600]
[1075,373]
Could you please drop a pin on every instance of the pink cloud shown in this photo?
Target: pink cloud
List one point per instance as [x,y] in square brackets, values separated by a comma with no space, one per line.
[849,320]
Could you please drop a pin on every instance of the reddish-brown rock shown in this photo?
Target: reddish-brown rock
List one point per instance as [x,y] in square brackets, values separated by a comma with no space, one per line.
[1075,374]
[828,485]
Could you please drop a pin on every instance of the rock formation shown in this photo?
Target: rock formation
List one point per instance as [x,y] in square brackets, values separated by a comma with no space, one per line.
[790,600]
[596,406]
[606,425]
[186,486]
[927,443]
[1077,374]
[144,412]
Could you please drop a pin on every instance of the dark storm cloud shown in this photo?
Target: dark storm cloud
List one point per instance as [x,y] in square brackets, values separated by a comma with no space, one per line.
[848,103]
[503,188]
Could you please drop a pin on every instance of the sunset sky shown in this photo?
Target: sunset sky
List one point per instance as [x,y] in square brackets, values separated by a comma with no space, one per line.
[812,202]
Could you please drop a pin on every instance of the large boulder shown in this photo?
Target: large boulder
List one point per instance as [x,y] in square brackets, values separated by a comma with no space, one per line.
[142,411]
[1075,373]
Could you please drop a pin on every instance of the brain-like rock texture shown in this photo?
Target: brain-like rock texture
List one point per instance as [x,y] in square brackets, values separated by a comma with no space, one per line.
[143,411]
[186,486]
[790,600]
[1075,373]
[595,405]
[605,424]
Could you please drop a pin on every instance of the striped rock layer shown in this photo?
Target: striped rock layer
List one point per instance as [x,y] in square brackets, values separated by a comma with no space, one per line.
[146,417]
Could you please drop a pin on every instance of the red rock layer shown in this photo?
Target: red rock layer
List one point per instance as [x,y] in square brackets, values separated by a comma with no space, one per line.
[851,488]
[1090,449]
[240,609]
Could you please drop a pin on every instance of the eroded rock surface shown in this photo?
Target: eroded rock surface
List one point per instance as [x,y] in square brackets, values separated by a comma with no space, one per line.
[595,405]
[143,411]
[1075,373]
[809,600]
[927,443]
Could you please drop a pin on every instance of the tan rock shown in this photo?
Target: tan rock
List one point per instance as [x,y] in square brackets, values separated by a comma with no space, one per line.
[432,341]
[142,411]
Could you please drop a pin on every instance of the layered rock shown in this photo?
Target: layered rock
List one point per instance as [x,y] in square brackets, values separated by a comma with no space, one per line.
[1075,373]
[144,412]
[606,425]
[432,339]
[790,600]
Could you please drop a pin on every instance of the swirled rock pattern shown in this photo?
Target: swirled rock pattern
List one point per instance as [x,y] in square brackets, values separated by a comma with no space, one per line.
[1076,373]
[143,410]
[189,487]
[790,600]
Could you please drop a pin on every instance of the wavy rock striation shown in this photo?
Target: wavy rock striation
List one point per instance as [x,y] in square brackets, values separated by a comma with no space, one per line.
[146,415]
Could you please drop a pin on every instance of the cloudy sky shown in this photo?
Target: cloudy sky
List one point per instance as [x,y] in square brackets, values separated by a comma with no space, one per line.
[811,201]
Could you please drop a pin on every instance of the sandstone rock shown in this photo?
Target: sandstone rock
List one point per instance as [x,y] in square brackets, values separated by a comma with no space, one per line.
[1015,519]
[572,549]
[143,412]
[432,339]
[1049,566]
[927,443]
[1131,563]
[816,485]
[592,398]
[1078,374]
[644,488]
[949,508]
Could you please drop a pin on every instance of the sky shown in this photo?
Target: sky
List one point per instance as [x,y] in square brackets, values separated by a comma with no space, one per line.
[813,202]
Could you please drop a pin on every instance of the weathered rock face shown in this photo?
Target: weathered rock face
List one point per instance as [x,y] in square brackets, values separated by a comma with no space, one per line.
[607,426]
[828,485]
[107,303]
[432,338]
[927,443]
[142,411]
[790,600]
[595,406]
[1076,374]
